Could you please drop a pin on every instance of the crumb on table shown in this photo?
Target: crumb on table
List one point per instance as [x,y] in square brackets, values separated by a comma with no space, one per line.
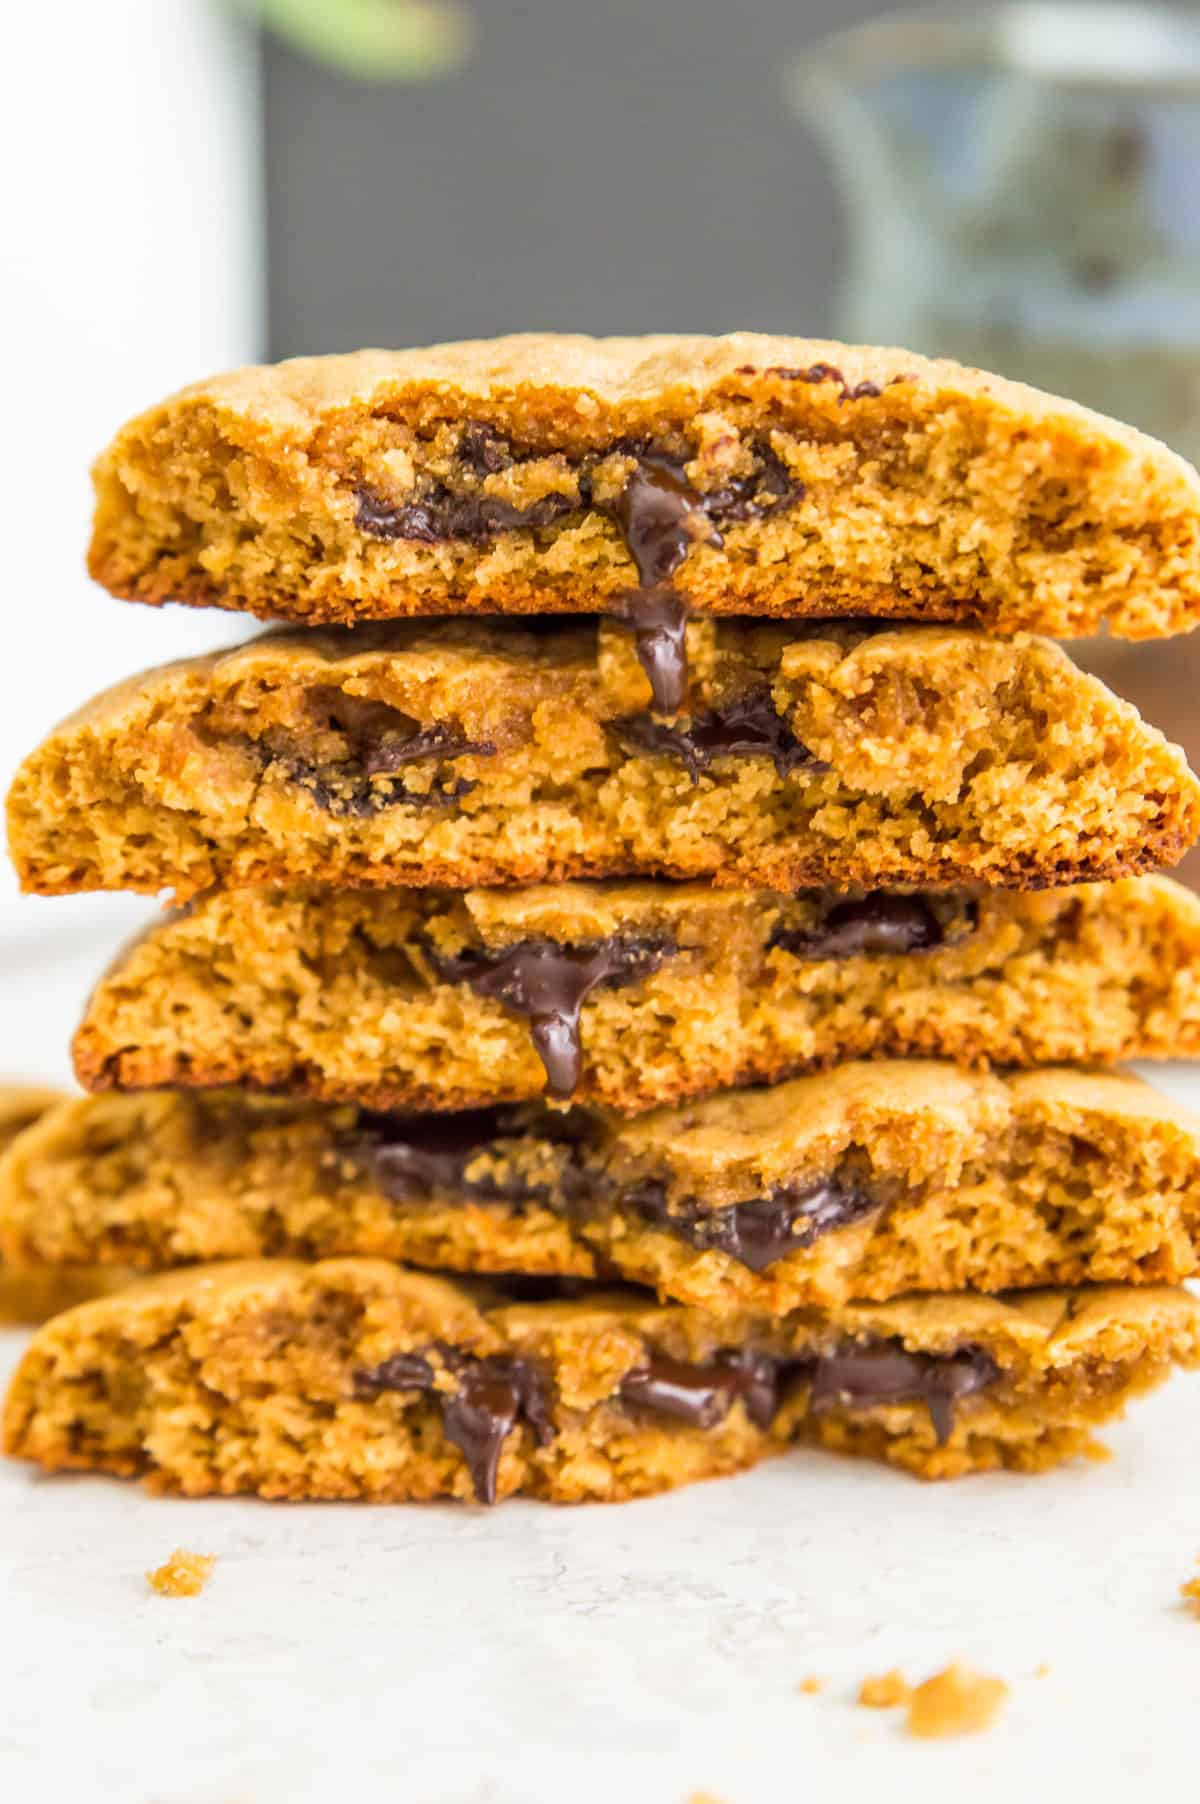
[957,1701]
[813,1683]
[885,1691]
[183,1575]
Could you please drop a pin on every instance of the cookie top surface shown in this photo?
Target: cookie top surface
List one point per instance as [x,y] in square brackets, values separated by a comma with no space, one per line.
[618,371]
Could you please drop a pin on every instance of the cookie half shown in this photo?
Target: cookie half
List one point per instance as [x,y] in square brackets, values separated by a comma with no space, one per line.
[634,995]
[358,1379]
[465,753]
[865,1182]
[744,474]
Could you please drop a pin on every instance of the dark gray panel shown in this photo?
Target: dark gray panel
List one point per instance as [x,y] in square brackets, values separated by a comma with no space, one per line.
[621,167]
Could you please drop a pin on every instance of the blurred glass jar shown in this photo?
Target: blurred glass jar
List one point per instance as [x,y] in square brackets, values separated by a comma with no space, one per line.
[1024,195]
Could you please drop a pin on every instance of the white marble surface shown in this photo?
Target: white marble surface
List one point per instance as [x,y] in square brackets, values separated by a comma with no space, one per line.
[642,1652]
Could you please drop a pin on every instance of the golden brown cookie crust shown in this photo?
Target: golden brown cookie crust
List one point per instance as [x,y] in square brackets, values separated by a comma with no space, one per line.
[333,995]
[867,1182]
[917,755]
[296,1381]
[919,488]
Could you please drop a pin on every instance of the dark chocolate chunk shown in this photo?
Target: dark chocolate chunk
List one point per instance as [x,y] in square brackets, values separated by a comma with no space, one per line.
[746,727]
[402,1372]
[770,490]
[860,1375]
[484,450]
[490,1396]
[438,741]
[549,984]
[493,1395]
[758,1232]
[442,515]
[357,797]
[703,1395]
[822,372]
[411,1158]
[878,923]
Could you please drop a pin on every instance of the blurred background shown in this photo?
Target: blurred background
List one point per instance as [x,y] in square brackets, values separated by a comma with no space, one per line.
[198,183]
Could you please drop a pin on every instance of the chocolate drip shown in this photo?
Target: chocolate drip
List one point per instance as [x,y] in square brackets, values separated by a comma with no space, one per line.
[758,1232]
[703,1395]
[746,727]
[491,1396]
[659,620]
[549,984]
[659,514]
[859,1376]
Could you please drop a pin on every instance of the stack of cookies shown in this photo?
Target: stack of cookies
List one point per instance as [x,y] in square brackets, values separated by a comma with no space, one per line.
[649,930]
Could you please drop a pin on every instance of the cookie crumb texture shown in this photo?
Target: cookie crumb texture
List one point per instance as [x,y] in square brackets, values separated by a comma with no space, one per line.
[1190,1593]
[36,1293]
[958,1701]
[864,1182]
[884,1691]
[464,753]
[183,1575]
[406,999]
[493,476]
[359,1379]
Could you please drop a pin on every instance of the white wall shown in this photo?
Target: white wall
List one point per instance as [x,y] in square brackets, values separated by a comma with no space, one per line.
[129,264]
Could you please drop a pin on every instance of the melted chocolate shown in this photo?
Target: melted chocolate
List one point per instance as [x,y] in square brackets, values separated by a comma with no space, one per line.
[491,1396]
[874,924]
[659,620]
[442,516]
[549,984]
[411,1158]
[747,727]
[858,1376]
[703,1395]
[758,1232]
[659,513]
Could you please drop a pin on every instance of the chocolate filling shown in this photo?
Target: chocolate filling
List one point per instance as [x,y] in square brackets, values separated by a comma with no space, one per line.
[859,1376]
[549,984]
[659,514]
[380,741]
[703,1395]
[411,1158]
[758,1232]
[492,1395]
[878,923]
[746,727]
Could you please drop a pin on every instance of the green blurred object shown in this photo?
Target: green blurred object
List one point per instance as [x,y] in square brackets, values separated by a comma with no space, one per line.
[376,40]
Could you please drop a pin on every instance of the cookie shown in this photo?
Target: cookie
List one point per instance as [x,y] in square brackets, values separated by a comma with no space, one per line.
[865,1182]
[464,753]
[356,1378]
[644,476]
[35,1294]
[635,995]
[20,1106]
